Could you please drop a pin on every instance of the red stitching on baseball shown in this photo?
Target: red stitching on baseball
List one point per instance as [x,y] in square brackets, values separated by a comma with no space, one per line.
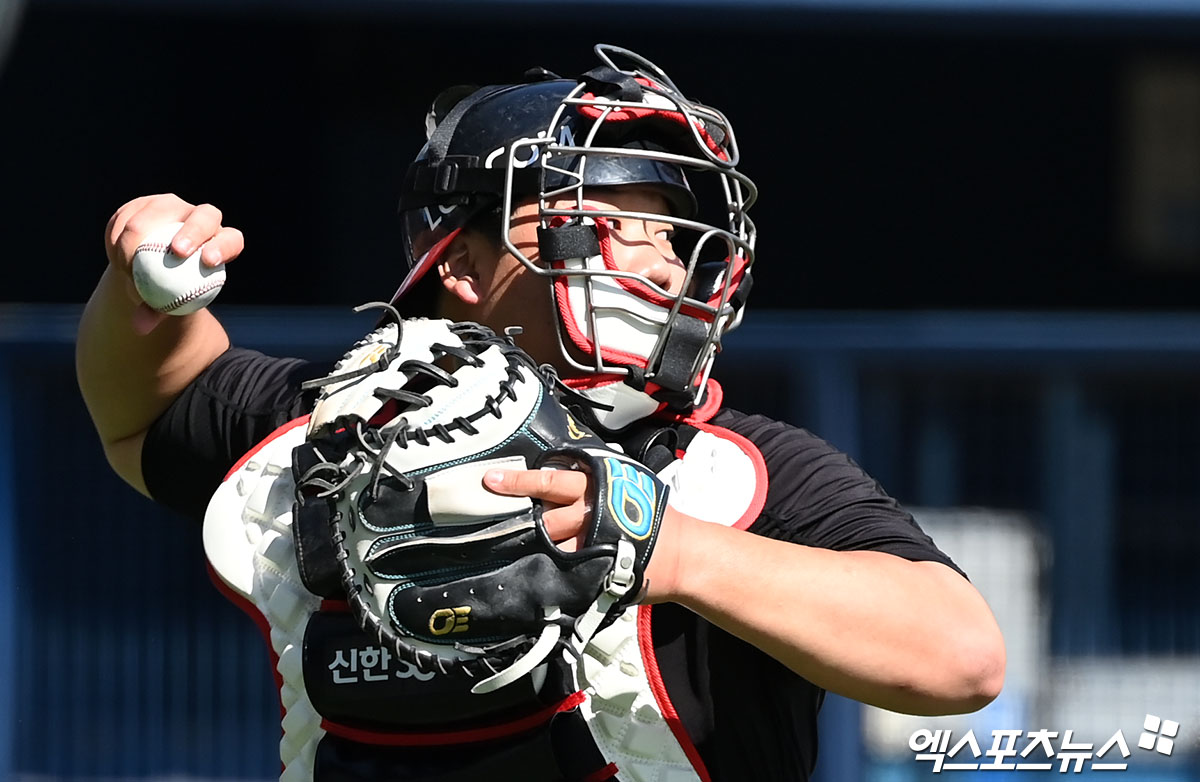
[179,301]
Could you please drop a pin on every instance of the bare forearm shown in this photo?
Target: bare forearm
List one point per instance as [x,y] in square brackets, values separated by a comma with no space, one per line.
[907,636]
[131,363]
[127,379]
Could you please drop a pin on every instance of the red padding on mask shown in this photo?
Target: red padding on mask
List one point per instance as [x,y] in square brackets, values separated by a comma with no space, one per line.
[614,355]
[578,338]
[645,293]
[739,271]
[563,300]
[626,114]
[714,397]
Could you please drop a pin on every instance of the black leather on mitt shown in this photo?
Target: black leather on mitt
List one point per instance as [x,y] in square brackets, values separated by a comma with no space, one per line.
[391,512]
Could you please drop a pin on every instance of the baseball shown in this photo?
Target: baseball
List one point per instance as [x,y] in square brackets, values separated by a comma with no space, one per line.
[168,283]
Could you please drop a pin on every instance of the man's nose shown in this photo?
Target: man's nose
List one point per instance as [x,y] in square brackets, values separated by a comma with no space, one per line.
[660,272]
[657,264]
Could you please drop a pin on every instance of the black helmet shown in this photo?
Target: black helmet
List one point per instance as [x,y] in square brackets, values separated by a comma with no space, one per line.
[492,147]
[454,165]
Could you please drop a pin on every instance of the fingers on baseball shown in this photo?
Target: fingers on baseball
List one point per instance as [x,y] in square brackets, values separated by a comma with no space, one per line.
[224,247]
[145,319]
[133,221]
[200,225]
[120,239]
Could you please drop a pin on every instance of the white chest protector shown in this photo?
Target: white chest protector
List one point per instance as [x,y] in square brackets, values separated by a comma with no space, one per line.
[618,691]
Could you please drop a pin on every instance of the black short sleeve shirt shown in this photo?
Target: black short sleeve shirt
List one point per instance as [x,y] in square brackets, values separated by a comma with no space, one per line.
[749,716]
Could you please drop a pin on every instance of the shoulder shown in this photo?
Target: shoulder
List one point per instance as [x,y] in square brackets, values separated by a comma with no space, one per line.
[757,427]
[817,495]
[237,401]
[786,449]
[256,383]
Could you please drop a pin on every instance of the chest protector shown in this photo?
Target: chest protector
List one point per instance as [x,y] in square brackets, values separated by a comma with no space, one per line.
[351,711]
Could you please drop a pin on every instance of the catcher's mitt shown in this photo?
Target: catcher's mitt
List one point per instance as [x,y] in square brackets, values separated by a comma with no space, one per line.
[391,510]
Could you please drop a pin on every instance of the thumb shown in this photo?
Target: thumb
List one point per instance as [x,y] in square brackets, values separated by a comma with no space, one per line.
[145,319]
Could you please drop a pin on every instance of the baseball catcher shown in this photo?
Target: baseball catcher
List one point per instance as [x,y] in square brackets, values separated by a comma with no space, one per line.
[467,569]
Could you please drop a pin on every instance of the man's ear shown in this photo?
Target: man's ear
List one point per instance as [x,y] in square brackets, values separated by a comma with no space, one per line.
[460,268]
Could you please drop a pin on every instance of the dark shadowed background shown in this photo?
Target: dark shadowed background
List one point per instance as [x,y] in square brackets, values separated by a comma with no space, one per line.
[906,159]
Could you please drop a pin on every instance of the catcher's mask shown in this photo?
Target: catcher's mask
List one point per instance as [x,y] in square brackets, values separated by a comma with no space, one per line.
[552,141]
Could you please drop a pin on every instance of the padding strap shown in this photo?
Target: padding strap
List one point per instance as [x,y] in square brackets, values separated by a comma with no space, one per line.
[568,241]
[737,299]
[438,178]
[439,140]
[684,343]
[455,180]
[612,83]
[451,175]
[315,554]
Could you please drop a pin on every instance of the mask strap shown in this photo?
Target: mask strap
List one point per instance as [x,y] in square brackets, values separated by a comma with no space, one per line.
[568,241]
[684,343]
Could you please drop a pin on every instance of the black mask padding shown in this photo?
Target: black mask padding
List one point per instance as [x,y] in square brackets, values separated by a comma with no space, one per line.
[707,279]
[612,83]
[567,241]
[738,299]
[684,343]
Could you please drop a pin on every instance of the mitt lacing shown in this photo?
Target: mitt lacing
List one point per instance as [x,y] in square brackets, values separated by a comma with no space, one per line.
[327,479]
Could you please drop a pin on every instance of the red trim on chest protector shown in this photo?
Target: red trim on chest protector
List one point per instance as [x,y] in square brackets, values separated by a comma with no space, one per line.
[259,446]
[264,627]
[760,471]
[663,698]
[713,398]
[603,775]
[454,737]
[248,607]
